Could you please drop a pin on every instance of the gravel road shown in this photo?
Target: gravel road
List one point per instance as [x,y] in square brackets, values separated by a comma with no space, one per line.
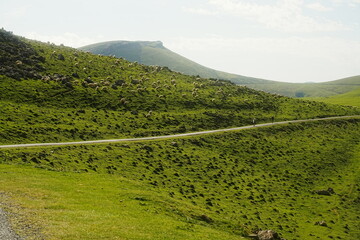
[5,230]
[171,136]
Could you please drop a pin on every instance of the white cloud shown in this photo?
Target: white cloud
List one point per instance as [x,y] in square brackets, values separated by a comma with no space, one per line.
[199,11]
[292,59]
[284,15]
[350,3]
[68,39]
[17,12]
[354,3]
[318,7]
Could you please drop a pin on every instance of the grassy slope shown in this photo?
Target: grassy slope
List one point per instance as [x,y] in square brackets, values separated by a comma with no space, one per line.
[351,98]
[154,53]
[58,205]
[82,96]
[59,94]
[219,186]
[325,89]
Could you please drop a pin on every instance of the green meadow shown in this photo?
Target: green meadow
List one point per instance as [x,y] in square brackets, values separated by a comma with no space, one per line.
[351,98]
[56,93]
[216,186]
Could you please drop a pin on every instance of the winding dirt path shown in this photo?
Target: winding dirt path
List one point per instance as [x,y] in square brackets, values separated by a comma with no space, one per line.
[171,136]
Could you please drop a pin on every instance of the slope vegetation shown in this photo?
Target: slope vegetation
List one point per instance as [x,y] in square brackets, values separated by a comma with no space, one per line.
[325,89]
[81,96]
[220,186]
[154,53]
[351,98]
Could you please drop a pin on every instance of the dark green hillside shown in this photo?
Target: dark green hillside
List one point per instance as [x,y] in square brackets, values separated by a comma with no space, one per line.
[219,186]
[154,53]
[18,59]
[78,95]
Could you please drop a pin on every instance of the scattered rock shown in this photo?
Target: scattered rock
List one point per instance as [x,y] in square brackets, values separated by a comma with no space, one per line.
[267,235]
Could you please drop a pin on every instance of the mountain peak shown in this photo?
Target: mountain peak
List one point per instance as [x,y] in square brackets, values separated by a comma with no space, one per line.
[155,44]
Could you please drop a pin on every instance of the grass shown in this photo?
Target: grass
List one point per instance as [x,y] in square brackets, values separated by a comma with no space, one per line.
[218,186]
[351,98]
[242,181]
[154,53]
[310,90]
[71,95]
[98,206]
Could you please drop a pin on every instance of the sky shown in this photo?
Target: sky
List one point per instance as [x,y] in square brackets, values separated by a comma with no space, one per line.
[282,40]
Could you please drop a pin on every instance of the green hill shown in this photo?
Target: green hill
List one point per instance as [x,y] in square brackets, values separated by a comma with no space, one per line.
[219,186]
[351,98]
[154,53]
[76,95]
[325,89]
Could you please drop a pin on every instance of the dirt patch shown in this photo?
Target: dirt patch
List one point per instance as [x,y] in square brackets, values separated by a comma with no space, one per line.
[13,223]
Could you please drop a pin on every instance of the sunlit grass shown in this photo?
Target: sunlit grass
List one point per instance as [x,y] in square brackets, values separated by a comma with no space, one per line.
[99,206]
[242,181]
[347,99]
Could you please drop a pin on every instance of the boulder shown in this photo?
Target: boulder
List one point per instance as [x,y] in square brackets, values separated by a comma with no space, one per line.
[267,235]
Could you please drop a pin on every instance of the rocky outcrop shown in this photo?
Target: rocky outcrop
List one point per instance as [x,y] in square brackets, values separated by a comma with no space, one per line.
[268,235]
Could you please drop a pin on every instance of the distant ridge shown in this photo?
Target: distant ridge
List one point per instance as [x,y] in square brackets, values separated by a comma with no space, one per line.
[154,53]
[324,89]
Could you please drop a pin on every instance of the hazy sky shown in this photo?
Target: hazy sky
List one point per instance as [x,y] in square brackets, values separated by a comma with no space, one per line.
[283,40]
